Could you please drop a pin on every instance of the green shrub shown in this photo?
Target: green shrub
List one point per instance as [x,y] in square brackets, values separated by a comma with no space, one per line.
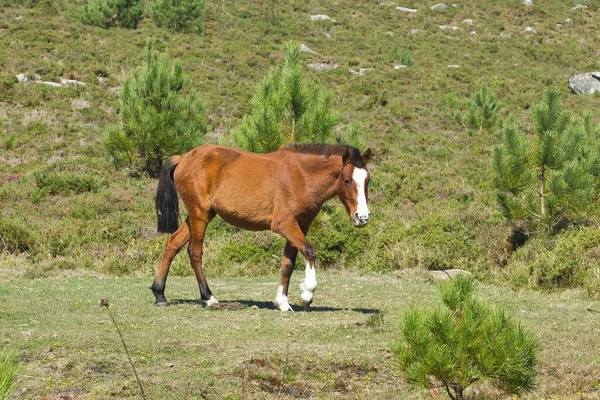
[553,181]
[107,13]
[335,238]
[467,341]
[565,260]
[400,56]
[68,183]
[445,243]
[287,108]
[16,237]
[157,120]
[8,373]
[179,15]
[483,114]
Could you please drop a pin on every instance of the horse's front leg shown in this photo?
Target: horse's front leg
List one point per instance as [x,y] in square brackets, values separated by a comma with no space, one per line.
[287,267]
[297,238]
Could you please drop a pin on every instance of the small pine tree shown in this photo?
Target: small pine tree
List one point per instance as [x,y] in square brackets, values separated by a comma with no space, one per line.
[553,180]
[288,108]
[179,15]
[107,13]
[467,341]
[157,120]
[483,114]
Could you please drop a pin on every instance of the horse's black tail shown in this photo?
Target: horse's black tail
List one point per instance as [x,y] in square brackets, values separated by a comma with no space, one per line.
[166,201]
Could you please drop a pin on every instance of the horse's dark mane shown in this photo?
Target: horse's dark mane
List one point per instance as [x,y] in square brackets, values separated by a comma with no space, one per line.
[324,149]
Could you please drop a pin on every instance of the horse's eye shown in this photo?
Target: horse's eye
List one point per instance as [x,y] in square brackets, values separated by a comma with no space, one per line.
[346,181]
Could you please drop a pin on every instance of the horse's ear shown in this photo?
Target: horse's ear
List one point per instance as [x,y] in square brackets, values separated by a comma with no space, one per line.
[347,156]
[367,155]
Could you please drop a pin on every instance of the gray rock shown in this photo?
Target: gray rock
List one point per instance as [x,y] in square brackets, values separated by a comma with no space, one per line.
[448,27]
[528,2]
[305,49]
[448,273]
[568,21]
[53,84]
[321,17]
[453,66]
[327,35]
[400,66]
[321,66]
[439,6]
[361,71]
[579,7]
[588,83]
[467,21]
[71,82]
[530,30]
[22,78]
[406,10]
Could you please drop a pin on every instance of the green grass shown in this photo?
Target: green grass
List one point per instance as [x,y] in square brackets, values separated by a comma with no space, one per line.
[8,373]
[69,346]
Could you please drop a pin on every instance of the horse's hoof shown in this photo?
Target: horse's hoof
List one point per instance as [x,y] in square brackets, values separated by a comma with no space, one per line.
[211,302]
[160,304]
[306,305]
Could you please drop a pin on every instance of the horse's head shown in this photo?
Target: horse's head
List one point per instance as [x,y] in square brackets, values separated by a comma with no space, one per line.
[353,185]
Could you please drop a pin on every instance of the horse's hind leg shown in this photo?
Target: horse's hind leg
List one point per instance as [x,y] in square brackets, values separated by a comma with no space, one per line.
[198,226]
[174,244]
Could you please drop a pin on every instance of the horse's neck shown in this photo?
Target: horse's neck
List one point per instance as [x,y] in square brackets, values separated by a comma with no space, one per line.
[322,174]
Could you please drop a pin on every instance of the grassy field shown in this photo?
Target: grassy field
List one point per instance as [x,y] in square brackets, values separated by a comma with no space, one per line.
[73,228]
[70,349]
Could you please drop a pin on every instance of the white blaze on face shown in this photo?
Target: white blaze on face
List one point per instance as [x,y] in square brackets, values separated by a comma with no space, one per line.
[362,210]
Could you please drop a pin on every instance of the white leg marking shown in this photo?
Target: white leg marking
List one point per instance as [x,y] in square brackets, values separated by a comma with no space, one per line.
[362,210]
[310,283]
[281,300]
[211,301]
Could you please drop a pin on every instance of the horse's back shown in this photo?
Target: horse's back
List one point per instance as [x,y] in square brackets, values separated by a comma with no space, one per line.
[243,188]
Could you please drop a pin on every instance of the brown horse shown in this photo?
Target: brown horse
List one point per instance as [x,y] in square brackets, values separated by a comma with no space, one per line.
[282,191]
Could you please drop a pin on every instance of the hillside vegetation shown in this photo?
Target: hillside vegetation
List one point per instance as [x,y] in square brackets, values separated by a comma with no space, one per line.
[66,209]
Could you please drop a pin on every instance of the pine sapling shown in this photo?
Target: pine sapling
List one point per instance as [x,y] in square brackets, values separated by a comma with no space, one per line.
[551,179]
[483,114]
[466,342]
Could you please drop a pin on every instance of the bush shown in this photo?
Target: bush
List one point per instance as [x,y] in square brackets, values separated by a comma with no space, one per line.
[552,182]
[565,260]
[67,183]
[157,120]
[107,13]
[483,114]
[16,237]
[400,56]
[179,15]
[288,108]
[466,342]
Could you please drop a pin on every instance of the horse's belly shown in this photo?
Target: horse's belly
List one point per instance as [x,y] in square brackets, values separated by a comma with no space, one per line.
[254,215]
[246,224]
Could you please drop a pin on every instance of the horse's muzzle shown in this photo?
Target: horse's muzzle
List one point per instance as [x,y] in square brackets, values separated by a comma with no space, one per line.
[360,220]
